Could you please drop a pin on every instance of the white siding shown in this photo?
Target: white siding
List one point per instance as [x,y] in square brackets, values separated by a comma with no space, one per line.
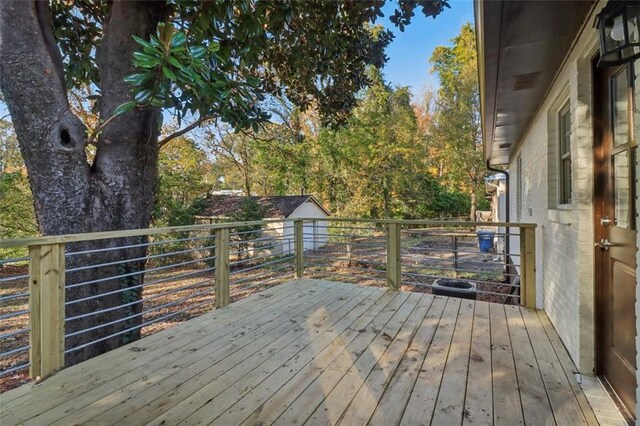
[315,233]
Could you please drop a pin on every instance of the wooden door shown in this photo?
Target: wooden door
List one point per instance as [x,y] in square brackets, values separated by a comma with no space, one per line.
[615,231]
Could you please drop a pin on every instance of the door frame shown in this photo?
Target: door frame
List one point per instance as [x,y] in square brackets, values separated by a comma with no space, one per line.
[599,181]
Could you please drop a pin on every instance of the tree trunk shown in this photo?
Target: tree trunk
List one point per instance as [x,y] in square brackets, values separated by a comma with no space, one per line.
[474,205]
[71,195]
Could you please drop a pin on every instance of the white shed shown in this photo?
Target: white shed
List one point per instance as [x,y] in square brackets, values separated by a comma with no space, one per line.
[285,207]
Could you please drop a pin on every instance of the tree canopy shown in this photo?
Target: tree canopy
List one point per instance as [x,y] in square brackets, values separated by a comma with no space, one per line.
[457,127]
[219,59]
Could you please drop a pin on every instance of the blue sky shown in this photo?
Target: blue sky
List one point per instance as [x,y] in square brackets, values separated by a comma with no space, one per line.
[410,51]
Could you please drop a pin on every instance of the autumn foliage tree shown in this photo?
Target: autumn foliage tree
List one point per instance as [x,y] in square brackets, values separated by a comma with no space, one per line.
[457,127]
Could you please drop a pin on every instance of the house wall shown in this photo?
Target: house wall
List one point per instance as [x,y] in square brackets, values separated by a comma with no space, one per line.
[315,234]
[637,171]
[564,236]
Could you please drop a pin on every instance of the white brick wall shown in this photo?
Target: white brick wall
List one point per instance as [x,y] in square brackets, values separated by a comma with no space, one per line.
[565,236]
[564,244]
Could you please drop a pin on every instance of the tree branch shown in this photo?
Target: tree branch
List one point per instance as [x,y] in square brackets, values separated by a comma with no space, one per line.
[96,132]
[43,13]
[183,131]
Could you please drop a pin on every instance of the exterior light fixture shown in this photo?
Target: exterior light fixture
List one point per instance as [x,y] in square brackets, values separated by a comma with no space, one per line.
[618,26]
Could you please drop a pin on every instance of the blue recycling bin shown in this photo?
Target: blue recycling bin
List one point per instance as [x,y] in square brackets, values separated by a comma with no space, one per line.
[485,241]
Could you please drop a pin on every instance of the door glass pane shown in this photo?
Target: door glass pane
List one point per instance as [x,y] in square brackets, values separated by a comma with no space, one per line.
[620,108]
[621,190]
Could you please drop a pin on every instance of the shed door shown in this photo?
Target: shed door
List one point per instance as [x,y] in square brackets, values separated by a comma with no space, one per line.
[615,231]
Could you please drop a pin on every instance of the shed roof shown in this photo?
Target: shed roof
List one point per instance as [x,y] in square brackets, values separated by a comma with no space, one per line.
[278,206]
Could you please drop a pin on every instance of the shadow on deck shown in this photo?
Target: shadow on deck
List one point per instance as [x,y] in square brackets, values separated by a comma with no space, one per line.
[320,352]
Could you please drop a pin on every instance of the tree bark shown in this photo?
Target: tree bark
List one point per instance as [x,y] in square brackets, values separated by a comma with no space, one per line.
[71,195]
[474,205]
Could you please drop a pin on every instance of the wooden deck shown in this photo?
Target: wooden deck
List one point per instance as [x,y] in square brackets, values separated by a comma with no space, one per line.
[318,352]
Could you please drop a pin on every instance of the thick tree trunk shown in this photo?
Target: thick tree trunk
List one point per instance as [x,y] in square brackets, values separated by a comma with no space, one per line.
[71,195]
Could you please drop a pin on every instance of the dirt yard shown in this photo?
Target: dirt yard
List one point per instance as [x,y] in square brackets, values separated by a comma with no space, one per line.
[425,255]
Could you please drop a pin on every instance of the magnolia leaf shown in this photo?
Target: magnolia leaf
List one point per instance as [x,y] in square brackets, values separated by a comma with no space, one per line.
[168,73]
[197,52]
[178,39]
[125,107]
[142,96]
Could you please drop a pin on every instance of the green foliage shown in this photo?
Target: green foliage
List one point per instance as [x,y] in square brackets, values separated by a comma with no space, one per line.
[17,216]
[457,131]
[219,59]
[250,210]
[182,183]
[374,166]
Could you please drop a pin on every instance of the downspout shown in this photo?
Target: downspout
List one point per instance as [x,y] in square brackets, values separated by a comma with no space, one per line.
[507,203]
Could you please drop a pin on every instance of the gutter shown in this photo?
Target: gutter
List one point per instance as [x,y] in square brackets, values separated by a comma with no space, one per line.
[507,203]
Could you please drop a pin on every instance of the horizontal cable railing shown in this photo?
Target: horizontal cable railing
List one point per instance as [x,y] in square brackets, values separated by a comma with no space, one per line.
[14,320]
[95,292]
[480,260]
[64,299]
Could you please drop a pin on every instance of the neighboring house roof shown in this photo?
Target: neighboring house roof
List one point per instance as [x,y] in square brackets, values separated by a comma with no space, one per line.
[279,206]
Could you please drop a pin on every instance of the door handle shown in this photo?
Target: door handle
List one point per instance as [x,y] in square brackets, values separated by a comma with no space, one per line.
[604,244]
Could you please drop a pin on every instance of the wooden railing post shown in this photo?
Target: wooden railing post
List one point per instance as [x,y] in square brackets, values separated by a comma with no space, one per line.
[222,267]
[394,273]
[298,243]
[528,267]
[46,304]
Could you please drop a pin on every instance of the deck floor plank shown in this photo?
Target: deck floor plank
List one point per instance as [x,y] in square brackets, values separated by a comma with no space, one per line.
[239,412]
[479,398]
[450,405]
[568,367]
[287,408]
[343,332]
[225,392]
[424,394]
[396,396]
[363,360]
[566,408]
[398,339]
[535,402]
[235,368]
[160,345]
[213,365]
[316,352]
[507,408]
[153,372]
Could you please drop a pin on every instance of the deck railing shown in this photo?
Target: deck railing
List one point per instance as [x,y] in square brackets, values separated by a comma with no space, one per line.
[71,297]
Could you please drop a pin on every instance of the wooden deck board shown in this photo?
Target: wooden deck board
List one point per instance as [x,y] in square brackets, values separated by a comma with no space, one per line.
[318,352]
[479,398]
[535,403]
[95,371]
[507,409]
